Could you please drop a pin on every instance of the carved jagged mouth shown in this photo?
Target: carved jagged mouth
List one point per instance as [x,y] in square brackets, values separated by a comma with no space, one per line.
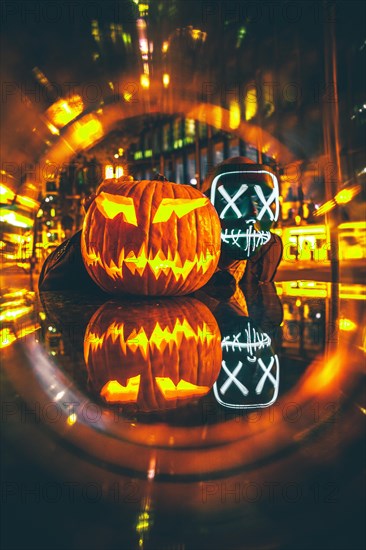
[159,338]
[160,263]
[252,239]
[254,341]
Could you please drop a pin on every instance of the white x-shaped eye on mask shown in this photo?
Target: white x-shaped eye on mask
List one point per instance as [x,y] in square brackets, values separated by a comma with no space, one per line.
[231,200]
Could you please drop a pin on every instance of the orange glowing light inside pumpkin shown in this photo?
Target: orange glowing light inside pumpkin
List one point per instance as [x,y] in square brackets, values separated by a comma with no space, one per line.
[180,207]
[112,205]
[158,263]
[182,389]
[159,338]
[114,392]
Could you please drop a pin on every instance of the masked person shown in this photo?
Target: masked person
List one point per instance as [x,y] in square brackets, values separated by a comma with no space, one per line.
[246,197]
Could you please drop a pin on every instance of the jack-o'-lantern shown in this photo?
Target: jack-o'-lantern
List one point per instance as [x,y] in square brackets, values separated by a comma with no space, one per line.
[246,197]
[249,377]
[150,238]
[152,356]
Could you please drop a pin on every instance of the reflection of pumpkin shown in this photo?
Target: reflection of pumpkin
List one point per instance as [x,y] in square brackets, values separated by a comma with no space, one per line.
[154,354]
[150,238]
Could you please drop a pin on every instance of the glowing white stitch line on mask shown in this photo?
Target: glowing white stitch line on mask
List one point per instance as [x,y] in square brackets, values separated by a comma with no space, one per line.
[253,238]
[273,177]
[254,341]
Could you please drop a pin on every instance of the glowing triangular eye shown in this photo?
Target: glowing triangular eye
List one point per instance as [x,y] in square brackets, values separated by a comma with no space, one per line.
[182,389]
[180,207]
[114,392]
[112,205]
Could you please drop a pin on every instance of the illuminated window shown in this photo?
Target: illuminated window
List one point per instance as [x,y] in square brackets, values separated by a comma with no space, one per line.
[190,127]
[119,171]
[191,165]
[251,152]
[202,130]
[218,153]
[234,148]
[235,115]
[179,171]
[156,142]
[166,137]
[251,103]
[177,129]
[203,163]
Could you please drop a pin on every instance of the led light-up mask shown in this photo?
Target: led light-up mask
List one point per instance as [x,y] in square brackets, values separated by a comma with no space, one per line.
[246,197]
[152,356]
[249,376]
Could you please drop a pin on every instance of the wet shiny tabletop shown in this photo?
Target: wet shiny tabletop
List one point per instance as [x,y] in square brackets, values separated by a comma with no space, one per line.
[229,418]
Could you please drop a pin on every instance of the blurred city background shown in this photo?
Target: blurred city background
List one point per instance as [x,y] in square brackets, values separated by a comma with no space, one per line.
[94,90]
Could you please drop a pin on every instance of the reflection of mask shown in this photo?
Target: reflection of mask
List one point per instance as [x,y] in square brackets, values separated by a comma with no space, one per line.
[249,377]
[153,355]
[150,238]
[246,197]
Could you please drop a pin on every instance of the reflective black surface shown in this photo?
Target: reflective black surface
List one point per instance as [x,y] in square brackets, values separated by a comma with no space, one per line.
[267,452]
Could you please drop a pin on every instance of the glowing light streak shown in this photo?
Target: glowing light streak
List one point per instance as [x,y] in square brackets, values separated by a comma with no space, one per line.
[145,81]
[166,80]
[62,112]
[27,201]
[6,194]
[234,116]
[346,195]
[87,131]
[347,325]
[15,219]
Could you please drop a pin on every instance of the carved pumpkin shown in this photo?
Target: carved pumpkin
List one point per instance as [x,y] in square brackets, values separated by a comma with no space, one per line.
[153,355]
[246,197]
[150,238]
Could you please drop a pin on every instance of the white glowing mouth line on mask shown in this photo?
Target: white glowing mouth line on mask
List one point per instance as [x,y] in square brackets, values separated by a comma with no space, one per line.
[253,238]
[254,341]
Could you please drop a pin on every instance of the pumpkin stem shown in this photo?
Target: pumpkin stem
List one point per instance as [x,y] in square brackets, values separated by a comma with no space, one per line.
[160,177]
